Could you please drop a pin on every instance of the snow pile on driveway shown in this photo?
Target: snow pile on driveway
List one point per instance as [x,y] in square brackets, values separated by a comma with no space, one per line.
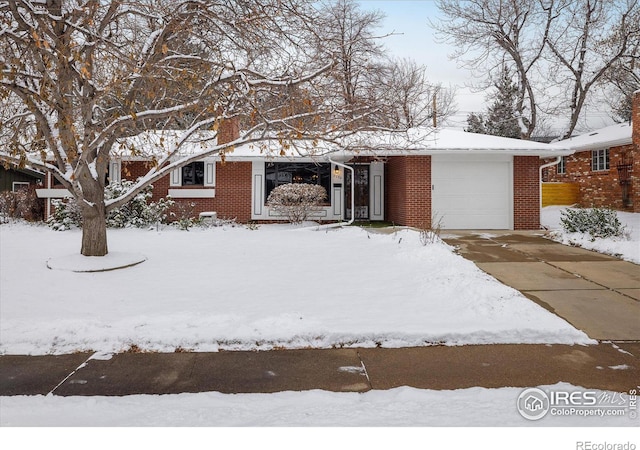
[241,289]
[627,248]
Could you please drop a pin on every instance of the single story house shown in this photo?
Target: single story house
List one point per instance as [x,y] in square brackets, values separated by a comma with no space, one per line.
[604,171]
[463,180]
[14,178]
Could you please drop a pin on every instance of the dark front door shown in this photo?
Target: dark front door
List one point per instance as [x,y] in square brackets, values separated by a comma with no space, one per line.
[361,192]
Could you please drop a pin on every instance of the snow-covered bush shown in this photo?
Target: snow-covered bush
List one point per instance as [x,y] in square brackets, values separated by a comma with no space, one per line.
[66,214]
[297,201]
[137,213]
[184,216]
[597,222]
[22,204]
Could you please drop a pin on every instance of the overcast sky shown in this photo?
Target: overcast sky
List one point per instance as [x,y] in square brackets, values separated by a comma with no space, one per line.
[416,39]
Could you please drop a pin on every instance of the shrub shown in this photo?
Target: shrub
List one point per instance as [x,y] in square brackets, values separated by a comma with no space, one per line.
[135,213]
[431,234]
[185,216]
[22,204]
[297,201]
[597,222]
[66,214]
[138,212]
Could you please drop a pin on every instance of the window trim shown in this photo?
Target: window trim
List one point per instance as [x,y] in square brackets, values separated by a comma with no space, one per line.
[115,171]
[562,166]
[600,160]
[22,185]
[175,177]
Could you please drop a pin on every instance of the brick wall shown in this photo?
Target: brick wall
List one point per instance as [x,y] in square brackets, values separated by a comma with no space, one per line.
[233,189]
[408,190]
[526,193]
[602,188]
[635,154]
[599,188]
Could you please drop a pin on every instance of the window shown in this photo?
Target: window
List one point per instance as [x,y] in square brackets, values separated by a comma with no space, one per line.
[17,185]
[285,173]
[196,174]
[562,166]
[193,174]
[600,160]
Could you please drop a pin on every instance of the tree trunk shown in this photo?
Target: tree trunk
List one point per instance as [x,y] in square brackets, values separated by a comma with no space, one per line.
[94,234]
[94,220]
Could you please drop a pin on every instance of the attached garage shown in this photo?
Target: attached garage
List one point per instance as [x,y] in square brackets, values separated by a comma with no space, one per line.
[472,191]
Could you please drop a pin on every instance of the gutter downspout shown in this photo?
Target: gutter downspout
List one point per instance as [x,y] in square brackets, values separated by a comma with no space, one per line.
[544,166]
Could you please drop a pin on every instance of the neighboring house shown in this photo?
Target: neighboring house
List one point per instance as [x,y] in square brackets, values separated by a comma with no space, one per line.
[12,179]
[604,171]
[463,180]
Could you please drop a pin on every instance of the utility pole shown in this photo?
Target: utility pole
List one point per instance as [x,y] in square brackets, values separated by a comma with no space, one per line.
[435,113]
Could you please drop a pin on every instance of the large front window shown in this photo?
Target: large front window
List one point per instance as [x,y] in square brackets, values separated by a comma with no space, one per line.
[284,173]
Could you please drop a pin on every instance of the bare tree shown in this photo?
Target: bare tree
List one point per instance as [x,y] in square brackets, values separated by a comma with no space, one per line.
[488,33]
[352,32]
[577,40]
[411,100]
[80,75]
[622,78]
[559,49]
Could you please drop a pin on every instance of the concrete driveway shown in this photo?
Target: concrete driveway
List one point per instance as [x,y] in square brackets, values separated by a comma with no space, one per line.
[596,293]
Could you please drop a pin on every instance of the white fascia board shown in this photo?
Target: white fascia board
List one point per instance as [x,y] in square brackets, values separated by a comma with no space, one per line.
[602,145]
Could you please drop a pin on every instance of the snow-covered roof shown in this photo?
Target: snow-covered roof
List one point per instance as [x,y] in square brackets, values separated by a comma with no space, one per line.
[431,141]
[611,136]
[416,141]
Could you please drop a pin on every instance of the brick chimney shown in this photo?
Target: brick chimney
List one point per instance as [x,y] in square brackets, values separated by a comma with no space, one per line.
[228,130]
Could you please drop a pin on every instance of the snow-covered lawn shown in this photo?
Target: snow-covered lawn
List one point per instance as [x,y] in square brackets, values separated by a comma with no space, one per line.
[235,288]
[398,407]
[625,248]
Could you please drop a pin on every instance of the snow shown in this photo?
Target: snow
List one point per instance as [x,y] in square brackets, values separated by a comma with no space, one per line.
[235,288]
[627,247]
[416,141]
[611,136]
[399,407]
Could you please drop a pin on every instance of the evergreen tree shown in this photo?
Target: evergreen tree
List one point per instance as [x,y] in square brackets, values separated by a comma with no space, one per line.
[501,117]
[475,124]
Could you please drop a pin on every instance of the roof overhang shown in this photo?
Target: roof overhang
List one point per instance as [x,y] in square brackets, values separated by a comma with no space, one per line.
[414,142]
[612,136]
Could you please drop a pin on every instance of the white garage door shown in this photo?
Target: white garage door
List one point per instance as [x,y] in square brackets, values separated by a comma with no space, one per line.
[472,192]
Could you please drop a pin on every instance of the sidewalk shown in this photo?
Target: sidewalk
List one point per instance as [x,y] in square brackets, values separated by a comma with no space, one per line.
[596,293]
[605,366]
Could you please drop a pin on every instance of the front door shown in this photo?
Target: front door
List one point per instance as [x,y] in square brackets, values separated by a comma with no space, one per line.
[361,173]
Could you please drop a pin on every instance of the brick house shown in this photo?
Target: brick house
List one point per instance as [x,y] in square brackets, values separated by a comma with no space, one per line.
[604,171]
[463,180]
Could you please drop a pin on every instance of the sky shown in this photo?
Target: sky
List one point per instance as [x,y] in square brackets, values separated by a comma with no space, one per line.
[415,39]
